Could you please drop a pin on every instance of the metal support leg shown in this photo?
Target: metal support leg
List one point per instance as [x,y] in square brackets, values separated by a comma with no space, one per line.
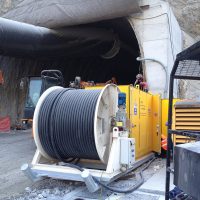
[29,173]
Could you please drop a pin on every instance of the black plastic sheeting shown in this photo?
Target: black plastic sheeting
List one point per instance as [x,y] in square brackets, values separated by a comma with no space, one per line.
[21,39]
[59,13]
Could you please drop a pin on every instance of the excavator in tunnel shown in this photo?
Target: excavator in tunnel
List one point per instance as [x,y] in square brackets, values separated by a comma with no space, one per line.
[36,86]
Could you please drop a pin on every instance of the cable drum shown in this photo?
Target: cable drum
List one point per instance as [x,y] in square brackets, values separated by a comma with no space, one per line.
[73,124]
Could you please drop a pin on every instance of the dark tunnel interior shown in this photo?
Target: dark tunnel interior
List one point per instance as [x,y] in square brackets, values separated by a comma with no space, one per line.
[123,66]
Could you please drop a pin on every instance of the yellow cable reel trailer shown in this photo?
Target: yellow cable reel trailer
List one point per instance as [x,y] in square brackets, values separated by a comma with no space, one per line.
[144,112]
[130,142]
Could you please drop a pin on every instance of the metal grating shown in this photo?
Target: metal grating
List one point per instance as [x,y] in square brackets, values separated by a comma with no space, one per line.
[188,69]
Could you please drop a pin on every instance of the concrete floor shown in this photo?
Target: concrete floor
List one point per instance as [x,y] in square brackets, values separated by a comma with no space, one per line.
[16,148]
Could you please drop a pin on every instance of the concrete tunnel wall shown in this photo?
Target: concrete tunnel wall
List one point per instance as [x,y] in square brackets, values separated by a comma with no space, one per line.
[160,38]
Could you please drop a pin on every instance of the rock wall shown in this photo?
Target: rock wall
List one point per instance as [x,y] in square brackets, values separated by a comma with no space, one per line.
[9,90]
[188,15]
[12,97]
[6,5]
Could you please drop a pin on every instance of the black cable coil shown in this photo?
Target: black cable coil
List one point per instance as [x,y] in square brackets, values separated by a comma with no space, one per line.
[66,129]
[66,124]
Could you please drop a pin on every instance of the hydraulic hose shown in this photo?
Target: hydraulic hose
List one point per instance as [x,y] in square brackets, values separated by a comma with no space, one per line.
[130,190]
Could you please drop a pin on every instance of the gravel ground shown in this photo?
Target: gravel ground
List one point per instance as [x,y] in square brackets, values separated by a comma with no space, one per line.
[18,148]
[50,189]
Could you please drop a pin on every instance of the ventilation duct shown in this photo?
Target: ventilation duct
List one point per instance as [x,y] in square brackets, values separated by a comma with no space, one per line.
[24,40]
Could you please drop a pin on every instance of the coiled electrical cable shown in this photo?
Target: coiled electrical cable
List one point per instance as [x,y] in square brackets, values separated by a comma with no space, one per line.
[66,129]
[66,124]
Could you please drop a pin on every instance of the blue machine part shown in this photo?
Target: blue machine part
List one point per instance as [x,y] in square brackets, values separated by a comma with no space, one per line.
[122,99]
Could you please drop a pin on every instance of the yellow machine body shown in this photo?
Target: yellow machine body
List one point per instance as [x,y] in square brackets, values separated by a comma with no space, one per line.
[144,113]
[186,118]
[182,119]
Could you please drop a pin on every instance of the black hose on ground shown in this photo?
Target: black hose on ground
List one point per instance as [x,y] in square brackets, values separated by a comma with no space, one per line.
[132,189]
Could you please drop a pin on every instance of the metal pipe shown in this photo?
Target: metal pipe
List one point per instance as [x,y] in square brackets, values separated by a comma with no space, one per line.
[164,68]
[25,40]
[169,139]
[167,186]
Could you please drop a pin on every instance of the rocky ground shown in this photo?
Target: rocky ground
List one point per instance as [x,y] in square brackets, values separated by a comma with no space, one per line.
[18,148]
[50,189]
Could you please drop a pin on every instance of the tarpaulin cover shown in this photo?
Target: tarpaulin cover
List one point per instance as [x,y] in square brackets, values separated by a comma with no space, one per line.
[4,124]
[58,13]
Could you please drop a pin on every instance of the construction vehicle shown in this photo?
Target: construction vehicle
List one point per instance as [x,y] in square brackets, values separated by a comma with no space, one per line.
[80,84]
[126,132]
[137,124]
[36,86]
[128,126]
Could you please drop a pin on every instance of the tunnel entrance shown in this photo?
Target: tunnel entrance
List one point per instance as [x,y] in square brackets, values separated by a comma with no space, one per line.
[123,66]
[90,68]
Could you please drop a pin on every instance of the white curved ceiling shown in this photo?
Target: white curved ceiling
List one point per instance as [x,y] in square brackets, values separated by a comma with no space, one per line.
[59,13]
